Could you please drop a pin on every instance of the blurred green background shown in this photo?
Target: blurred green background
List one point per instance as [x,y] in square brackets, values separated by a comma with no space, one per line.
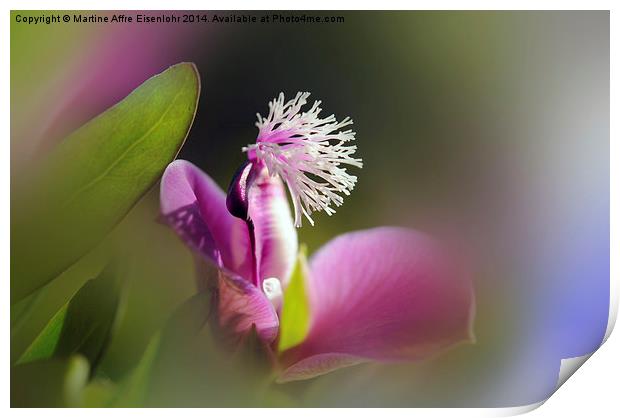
[488,129]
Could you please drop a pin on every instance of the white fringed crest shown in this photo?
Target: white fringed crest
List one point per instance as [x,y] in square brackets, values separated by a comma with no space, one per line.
[308,153]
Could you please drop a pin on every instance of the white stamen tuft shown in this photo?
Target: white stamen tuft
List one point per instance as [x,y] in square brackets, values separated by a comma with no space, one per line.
[307,153]
[273,290]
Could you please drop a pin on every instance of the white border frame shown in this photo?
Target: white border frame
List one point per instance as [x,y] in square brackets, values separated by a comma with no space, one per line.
[593,391]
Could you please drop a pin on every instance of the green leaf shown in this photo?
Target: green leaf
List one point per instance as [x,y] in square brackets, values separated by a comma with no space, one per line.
[21,312]
[44,345]
[47,301]
[82,326]
[95,176]
[295,316]
[91,316]
[49,383]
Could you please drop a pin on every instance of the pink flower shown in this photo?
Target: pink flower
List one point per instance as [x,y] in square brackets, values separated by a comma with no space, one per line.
[383,294]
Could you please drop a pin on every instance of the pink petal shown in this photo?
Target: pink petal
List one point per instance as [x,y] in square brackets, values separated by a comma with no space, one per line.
[384,294]
[241,305]
[276,238]
[195,207]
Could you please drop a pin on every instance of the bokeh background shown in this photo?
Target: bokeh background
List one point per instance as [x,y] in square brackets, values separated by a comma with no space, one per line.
[488,129]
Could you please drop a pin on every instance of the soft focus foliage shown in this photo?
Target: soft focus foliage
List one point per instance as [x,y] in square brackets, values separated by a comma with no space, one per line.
[83,326]
[83,189]
[94,177]
[56,382]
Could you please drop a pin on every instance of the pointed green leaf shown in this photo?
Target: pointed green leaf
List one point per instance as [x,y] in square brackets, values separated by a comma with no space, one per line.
[21,313]
[91,316]
[82,326]
[295,316]
[75,197]
[44,345]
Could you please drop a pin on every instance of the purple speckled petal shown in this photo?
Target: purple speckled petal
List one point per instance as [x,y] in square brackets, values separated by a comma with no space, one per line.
[188,223]
[276,238]
[241,305]
[195,207]
[384,294]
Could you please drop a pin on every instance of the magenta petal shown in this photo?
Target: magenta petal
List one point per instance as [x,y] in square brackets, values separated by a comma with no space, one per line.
[384,294]
[195,207]
[276,238]
[241,305]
